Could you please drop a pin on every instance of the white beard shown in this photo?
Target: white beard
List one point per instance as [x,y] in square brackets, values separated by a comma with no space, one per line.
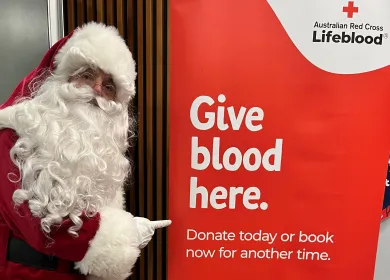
[70,153]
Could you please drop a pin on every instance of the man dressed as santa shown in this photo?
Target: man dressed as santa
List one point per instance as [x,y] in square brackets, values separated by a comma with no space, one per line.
[64,135]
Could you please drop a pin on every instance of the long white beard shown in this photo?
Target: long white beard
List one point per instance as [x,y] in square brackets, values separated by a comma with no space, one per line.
[70,153]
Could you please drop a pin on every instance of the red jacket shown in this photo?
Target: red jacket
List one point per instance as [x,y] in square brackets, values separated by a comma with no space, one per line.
[107,245]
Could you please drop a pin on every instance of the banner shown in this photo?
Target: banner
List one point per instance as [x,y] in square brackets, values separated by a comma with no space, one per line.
[279,138]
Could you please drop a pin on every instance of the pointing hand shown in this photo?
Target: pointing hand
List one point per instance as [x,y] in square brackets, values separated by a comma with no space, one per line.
[146,229]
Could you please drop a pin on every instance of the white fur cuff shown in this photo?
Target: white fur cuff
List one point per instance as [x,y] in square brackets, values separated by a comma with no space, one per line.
[114,249]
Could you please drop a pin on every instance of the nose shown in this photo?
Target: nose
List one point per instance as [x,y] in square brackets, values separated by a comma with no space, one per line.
[98,89]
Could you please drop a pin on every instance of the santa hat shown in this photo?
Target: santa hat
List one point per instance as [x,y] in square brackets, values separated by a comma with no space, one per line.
[92,44]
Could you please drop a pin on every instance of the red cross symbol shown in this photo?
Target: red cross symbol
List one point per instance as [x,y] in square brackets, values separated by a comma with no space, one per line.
[350,9]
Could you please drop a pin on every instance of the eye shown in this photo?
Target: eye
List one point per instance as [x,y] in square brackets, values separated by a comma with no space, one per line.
[87,76]
[110,88]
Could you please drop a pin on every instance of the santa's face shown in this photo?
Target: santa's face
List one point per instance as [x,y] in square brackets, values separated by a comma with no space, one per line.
[72,151]
[102,83]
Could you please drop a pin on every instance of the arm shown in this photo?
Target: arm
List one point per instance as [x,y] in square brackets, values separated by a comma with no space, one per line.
[115,248]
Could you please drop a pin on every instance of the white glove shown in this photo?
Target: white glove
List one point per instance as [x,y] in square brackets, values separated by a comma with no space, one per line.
[146,229]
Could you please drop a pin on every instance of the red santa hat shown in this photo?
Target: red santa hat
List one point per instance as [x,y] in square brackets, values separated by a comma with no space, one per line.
[92,44]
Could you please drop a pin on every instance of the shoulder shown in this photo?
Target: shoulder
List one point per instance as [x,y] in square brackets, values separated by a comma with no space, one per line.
[8,138]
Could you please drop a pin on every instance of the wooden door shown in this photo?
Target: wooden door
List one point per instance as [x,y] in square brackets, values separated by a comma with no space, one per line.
[143,24]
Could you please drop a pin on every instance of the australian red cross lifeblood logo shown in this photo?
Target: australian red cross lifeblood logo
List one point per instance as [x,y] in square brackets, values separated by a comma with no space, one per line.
[359,32]
[350,10]
[342,29]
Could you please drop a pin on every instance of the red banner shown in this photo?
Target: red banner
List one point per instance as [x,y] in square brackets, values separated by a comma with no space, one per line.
[278,138]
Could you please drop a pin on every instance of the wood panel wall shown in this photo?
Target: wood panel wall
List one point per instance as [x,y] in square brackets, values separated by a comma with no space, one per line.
[143,24]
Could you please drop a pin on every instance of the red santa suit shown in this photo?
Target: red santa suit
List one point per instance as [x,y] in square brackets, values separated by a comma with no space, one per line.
[108,243]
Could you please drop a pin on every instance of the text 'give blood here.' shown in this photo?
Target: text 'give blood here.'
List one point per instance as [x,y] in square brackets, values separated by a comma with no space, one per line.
[231,159]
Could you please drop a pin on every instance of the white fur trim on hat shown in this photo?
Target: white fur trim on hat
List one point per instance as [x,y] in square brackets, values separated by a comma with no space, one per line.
[102,46]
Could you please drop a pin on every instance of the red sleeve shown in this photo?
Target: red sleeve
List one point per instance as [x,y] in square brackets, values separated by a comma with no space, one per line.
[23,225]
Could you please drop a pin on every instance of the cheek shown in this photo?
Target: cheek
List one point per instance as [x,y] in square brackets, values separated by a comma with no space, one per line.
[110,97]
[79,84]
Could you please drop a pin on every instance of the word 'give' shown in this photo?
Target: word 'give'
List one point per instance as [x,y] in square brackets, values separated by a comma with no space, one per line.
[235,120]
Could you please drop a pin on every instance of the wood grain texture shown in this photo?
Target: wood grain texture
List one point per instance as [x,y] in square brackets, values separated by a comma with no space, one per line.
[91,10]
[70,16]
[81,12]
[143,24]
[100,14]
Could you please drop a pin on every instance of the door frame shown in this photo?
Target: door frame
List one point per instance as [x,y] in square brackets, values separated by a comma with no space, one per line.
[55,18]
